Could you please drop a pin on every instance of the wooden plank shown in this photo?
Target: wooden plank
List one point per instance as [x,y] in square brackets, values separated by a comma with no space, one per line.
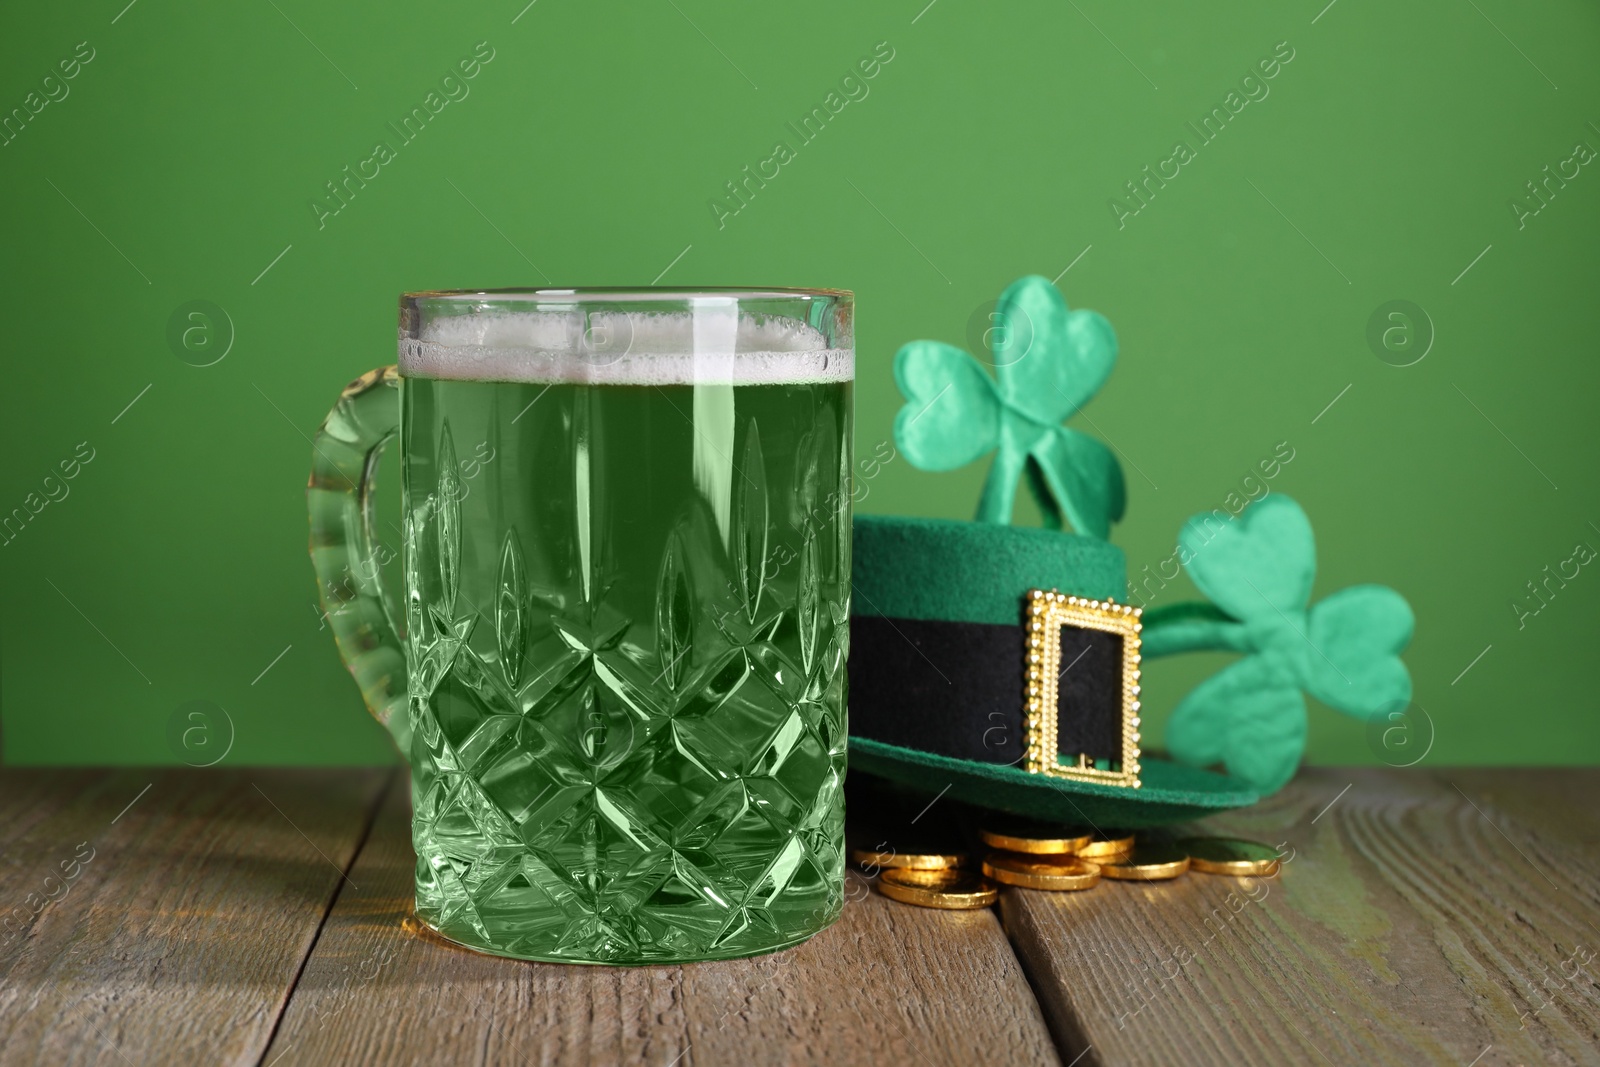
[188,902]
[1414,922]
[887,984]
[1558,802]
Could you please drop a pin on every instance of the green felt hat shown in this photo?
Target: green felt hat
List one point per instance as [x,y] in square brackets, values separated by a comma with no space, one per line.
[996,664]
[939,667]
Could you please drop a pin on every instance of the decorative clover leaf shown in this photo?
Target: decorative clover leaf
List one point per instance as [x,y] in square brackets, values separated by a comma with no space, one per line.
[1343,650]
[1048,363]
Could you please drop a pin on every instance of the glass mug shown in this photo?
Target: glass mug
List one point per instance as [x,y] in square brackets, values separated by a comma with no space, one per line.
[618,668]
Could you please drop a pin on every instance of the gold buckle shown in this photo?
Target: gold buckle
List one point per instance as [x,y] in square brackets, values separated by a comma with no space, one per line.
[1047,613]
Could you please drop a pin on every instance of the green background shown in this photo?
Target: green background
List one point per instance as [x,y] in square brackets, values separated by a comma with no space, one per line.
[1382,163]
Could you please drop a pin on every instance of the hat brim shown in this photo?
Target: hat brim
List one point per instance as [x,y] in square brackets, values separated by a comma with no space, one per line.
[1169,793]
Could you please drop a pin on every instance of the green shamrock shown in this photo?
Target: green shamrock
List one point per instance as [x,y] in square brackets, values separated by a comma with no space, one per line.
[1343,650]
[1048,363]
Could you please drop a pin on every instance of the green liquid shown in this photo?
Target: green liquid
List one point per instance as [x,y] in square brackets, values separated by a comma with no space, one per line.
[627,623]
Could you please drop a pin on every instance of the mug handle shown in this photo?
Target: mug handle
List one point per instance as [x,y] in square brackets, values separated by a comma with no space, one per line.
[344,468]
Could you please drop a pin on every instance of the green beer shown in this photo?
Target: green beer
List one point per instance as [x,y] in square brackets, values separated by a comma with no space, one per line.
[627,582]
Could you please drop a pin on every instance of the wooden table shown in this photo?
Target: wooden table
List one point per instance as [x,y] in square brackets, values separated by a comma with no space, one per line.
[263,917]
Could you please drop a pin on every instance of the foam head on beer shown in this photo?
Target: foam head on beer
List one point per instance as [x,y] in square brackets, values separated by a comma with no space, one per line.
[714,343]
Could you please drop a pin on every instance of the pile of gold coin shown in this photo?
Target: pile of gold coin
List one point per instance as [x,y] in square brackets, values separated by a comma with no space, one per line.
[1055,858]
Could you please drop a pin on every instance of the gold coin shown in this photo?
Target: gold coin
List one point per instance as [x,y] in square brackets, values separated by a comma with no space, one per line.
[1107,843]
[922,875]
[889,859]
[1230,855]
[1148,862]
[950,890]
[1039,838]
[1056,873]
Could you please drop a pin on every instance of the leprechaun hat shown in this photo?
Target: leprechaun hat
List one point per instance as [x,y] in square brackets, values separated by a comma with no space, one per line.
[995,664]
[951,622]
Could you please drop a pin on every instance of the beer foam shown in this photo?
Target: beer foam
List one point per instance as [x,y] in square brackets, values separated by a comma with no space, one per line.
[708,346]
